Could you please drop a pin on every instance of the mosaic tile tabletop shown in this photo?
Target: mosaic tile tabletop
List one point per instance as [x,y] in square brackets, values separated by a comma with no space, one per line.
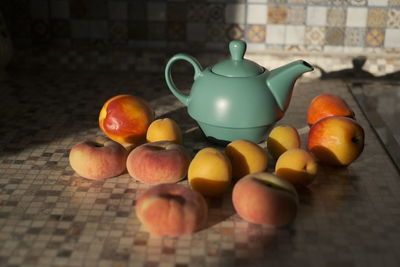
[49,216]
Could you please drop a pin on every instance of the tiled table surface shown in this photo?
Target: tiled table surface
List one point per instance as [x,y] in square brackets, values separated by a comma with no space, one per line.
[49,216]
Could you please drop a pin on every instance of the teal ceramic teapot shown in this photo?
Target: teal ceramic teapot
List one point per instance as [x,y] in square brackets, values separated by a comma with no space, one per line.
[237,98]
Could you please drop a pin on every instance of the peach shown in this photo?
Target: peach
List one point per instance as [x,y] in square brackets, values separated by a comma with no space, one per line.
[171,210]
[297,166]
[125,119]
[282,138]
[158,162]
[164,130]
[326,105]
[210,172]
[264,198]
[246,157]
[98,158]
[336,140]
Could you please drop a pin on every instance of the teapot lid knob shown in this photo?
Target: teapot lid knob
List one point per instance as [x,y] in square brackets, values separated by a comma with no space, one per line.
[237,49]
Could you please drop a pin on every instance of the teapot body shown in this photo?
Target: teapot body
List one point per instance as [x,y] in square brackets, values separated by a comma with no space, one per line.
[235,102]
[237,98]
[234,108]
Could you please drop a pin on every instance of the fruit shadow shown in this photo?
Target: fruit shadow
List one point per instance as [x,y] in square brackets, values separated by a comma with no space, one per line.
[332,187]
[219,208]
[39,107]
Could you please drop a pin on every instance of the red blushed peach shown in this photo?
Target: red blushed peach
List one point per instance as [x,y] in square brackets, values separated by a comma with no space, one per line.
[98,158]
[171,210]
[327,105]
[125,119]
[264,198]
[158,162]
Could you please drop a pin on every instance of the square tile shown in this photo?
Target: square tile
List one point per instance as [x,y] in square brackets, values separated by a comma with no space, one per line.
[377,17]
[59,9]
[197,12]
[156,11]
[393,18]
[296,15]
[334,36]
[137,10]
[315,36]
[98,29]
[39,9]
[275,34]
[97,9]
[358,2]
[235,31]
[277,14]
[118,10]
[176,11]
[80,29]
[339,2]
[137,30]
[294,34]
[176,31]
[216,32]
[394,2]
[356,17]
[257,14]
[255,33]
[392,38]
[316,16]
[336,16]
[354,37]
[156,30]
[196,31]
[118,30]
[375,37]
[61,28]
[235,13]
[216,13]
[378,2]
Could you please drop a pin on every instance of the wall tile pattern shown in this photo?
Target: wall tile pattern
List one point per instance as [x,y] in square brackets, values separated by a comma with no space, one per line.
[358,23]
[323,26]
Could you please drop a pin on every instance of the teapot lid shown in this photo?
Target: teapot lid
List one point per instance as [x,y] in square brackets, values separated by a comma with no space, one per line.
[237,66]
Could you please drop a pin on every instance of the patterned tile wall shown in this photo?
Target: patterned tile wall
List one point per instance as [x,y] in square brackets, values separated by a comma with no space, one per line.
[314,25]
[115,28]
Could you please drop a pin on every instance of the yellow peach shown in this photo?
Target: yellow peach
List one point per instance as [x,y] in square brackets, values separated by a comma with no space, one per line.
[246,157]
[282,138]
[164,130]
[210,172]
[297,166]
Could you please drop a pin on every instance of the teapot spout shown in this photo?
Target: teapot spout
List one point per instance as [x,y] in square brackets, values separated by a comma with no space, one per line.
[281,81]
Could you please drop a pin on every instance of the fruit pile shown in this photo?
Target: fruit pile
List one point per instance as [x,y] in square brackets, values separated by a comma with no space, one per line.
[152,152]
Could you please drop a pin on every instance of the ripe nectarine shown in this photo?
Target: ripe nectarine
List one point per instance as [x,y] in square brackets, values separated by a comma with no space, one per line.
[125,119]
[336,140]
[325,105]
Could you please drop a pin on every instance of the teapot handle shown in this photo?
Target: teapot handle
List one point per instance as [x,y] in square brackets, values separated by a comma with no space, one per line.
[168,77]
